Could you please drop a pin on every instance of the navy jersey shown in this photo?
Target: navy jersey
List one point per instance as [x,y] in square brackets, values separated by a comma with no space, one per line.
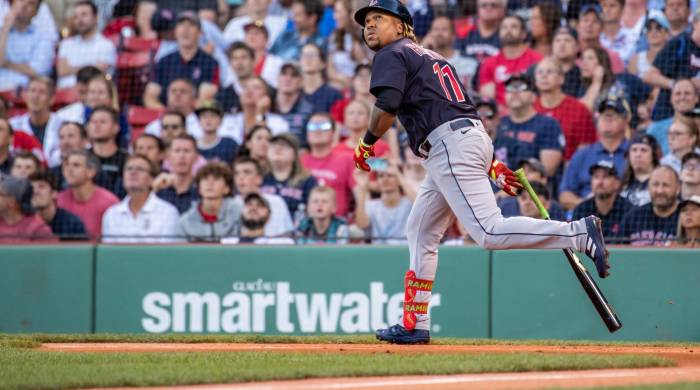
[432,92]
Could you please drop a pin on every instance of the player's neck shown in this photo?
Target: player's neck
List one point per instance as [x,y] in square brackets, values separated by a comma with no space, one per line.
[551,99]
[512,52]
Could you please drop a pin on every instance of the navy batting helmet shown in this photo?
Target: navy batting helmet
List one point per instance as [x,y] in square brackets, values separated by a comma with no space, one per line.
[393,7]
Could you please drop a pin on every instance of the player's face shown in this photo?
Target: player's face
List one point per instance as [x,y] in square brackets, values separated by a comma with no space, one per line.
[663,188]
[137,175]
[640,157]
[683,97]
[321,205]
[548,76]
[604,184]
[381,29]
[213,187]
[690,216]
[690,172]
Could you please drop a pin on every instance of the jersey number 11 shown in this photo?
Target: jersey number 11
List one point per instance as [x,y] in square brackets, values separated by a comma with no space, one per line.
[446,71]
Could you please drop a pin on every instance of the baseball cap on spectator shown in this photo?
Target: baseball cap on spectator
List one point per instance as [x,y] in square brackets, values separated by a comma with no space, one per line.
[256,24]
[18,188]
[522,78]
[296,70]
[189,16]
[606,165]
[616,103]
[591,7]
[645,139]
[568,31]
[659,18]
[255,196]
[163,20]
[288,138]
[534,164]
[209,105]
[695,199]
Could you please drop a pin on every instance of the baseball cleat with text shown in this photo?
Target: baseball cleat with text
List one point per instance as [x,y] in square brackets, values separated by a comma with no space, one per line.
[595,245]
[397,334]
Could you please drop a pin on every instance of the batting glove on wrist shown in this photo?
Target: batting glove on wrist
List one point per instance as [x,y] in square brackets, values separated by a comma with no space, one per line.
[504,178]
[362,153]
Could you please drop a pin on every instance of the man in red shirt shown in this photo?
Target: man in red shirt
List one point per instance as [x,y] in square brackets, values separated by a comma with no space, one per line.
[83,198]
[17,219]
[334,170]
[515,57]
[575,119]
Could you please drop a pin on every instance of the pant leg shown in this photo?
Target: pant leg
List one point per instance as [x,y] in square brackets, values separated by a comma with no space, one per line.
[429,219]
[458,165]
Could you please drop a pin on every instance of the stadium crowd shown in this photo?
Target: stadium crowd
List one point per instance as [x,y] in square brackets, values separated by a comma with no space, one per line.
[235,121]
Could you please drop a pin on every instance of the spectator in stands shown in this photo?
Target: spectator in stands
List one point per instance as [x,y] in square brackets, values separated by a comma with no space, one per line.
[613,119]
[565,50]
[671,64]
[217,215]
[6,135]
[598,78]
[255,216]
[606,202]
[575,119]
[26,49]
[534,171]
[75,112]
[316,90]
[689,222]
[523,205]
[642,158]
[305,14]
[684,97]
[242,63]
[388,215]
[657,33]
[483,40]
[589,29]
[188,62]
[72,136]
[87,47]
[614,37]
[655,223]
[103,92]
[65,225]
[267,65]
[181,99]
[334,170]
[177,186]
[255,10]
[141,217]
[102,130]
[146,9]
[248,179]
[413,171]
[321,225]
[17,219]
[690,175]
[256,146]
[39,121]
[256,109]
[291,102]
[287,177]
[488,112]
[525,133]
[359,90]
[152,147]
[212,146]
[677,12]
[345,47]
[514,57]
[25,164]
[356,123]
[83,198]
[544,20]
[441,39]
[682,139]
[634,16]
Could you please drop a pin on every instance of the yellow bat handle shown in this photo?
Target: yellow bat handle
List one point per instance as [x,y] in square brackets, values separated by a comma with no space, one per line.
[520,174]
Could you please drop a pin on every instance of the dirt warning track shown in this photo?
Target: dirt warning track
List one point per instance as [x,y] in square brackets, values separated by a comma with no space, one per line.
[688,369]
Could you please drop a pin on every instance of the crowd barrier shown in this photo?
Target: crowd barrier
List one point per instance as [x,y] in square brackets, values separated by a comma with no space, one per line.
[339,290]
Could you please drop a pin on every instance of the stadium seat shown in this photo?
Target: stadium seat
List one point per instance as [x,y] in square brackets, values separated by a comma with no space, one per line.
[133,71]
[64,97]
[138,117]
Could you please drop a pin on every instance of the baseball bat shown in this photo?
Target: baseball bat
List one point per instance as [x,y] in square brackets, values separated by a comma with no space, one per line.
[605,311]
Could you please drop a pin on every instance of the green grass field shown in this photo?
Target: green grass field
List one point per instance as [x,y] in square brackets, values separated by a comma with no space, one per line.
[25,368]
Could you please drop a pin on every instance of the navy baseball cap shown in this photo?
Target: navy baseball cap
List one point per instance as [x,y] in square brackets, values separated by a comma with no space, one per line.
[606,165]
[592,7]
[616,103]
[645,139]
[485,101]
[567,31]
[523,78]
[163,20]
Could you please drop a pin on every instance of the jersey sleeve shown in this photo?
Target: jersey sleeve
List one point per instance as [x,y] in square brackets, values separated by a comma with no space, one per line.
[389,69]
[550,135]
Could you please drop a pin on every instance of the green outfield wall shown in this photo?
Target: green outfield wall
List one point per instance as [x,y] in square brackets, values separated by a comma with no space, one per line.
[334,290]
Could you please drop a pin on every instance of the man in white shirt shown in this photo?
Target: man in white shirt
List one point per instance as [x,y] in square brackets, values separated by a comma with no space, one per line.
[87,47]
[255,10]
[248,178]
[39,121]
[141,217]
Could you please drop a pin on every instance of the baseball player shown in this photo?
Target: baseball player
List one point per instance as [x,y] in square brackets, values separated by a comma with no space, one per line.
[421,88]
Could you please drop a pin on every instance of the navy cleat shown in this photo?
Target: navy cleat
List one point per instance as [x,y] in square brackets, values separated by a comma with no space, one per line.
[397,334]
[595,245]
